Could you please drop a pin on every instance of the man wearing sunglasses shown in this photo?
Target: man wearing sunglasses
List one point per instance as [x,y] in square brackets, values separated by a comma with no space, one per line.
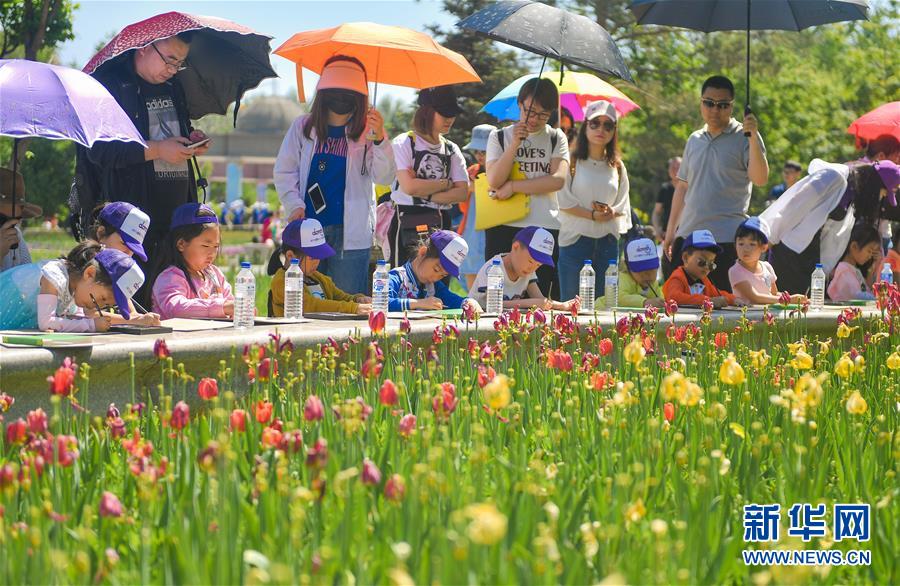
[718,170]
[157,178]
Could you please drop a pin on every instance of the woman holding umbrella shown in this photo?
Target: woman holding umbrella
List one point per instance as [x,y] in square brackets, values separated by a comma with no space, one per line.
[326,171]
[594,205]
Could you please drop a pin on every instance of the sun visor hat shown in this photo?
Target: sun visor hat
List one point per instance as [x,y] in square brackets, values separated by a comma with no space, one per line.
[343,75]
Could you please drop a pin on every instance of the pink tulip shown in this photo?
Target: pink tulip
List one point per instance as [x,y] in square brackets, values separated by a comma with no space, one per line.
[238,420]
[313,410]
[377,320]
[388,393]
[181,415]
[161,349]
[371,475]
[15,432]
[407,425]
[395,488]
[37,421]
[110,506]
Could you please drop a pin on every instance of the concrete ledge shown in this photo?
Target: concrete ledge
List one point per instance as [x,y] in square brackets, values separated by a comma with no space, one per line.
[24,371]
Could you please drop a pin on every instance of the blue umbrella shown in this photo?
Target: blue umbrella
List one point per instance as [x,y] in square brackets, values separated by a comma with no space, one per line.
[734,15]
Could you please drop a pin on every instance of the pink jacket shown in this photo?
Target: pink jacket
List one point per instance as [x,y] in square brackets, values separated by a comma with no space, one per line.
[173,297]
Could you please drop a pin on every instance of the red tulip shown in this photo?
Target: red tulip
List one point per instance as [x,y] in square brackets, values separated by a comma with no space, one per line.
[721,340]
[208,388]
[388,393]
[7,475]
[671,307]
[669,412]
[66,450]
[37,421]
[395,488]
[371,475]
[405,325]
[181,415]
[291,442]
[560,360]
[263,411]
[606,347]
[407,425]
[112,411]
[268,368]
[708,306]
[469,313]
[313,410]
[377,320]
[15,432]
[539,316]
[317,456]
[116,426]
[238,420]
[63,381]
[650,313]
[161,349]
[485,375]
[6,402]
[444,404]
[271,437]
[110,506]
[601,380]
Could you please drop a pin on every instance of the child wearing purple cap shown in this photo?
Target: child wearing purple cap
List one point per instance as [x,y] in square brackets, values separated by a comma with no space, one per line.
[532,248]
[57,295]
[418,285]
[122,226]
[305,241]
[638,277]
[753,281]
[188,284]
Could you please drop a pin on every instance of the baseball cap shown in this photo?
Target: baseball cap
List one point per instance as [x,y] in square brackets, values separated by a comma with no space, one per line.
[307,236]
[890,176]
[453,250]
[640,255]
[130,222]
[701,239]
[442,99]
[539,242]
[193,213]
[758,225]
[480,135]
[126,276]
[343,75]
[601,108]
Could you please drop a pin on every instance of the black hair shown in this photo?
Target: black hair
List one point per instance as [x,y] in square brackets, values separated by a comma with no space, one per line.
[692,249]
[866,184]
[862,234]
[318,112]
[793,165]
[97,222]
[886,143]
[719,82]
[186,37]
[83,256]
[276,261]
[748,232]
[431,251]
[545,93]
[170,255]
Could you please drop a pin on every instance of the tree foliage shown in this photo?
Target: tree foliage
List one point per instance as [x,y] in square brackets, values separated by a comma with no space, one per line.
[28,26]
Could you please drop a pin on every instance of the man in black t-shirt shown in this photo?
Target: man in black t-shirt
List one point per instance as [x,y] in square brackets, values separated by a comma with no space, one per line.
[663,207]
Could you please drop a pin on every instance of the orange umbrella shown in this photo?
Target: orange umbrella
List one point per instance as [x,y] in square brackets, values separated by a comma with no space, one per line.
[391,54]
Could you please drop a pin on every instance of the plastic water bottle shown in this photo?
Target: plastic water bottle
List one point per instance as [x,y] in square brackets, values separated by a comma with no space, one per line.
[817,288]
[244,297]
[293,291]
[611,285]
[380,288]
[495,280]
[887,274]
[586,286]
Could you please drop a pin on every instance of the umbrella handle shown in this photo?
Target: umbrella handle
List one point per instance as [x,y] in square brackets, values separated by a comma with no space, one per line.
[15,164]
[747,112]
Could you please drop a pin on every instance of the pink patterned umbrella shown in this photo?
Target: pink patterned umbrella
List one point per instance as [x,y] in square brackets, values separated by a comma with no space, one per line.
[226,58]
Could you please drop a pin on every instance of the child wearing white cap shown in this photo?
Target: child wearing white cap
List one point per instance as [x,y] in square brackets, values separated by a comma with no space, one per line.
[305,241]
[532,248]
[638,285]
[753,280]
[417,284]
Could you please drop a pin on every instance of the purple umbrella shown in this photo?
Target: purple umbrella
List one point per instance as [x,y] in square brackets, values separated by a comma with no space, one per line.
[59,103]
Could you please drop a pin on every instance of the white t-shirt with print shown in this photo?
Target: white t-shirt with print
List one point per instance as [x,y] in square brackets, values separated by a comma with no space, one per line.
[534,156]
[511,289]
[429,168]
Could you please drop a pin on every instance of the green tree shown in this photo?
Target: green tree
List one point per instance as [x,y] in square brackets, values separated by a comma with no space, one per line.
[28,26]
[496,65]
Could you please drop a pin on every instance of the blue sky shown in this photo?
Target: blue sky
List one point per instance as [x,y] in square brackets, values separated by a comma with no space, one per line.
[95,19]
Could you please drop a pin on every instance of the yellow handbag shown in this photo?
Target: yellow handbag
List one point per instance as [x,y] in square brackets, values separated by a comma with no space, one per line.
[490,212]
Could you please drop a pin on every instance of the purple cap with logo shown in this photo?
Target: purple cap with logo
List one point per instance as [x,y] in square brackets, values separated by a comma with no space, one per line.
[758,225]
[890,176]
[640,255]
[130,222]
[540,244]
[193,213]
[307,236]
[453,250]
[126,276]
[703,240]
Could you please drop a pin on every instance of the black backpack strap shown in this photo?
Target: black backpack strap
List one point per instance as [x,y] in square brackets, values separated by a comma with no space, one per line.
[501,140]
[554,138]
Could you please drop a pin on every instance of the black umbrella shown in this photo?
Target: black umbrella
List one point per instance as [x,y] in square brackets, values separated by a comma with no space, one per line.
[738,15]
[550,32]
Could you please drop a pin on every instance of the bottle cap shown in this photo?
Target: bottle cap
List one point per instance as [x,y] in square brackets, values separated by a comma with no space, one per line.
[587,262]
[245,264]
[381,262]
[295,261]
[612,261]
[818,265]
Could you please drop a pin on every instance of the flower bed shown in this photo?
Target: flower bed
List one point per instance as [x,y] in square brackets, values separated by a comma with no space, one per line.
[553,452]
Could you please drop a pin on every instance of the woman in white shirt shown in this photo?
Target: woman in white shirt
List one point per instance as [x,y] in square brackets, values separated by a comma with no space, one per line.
[431,173]
[594,205]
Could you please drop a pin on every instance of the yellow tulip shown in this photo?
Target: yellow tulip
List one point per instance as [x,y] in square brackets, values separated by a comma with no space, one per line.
[673,386]
[731,373]
[496,392]
[797,347]
[802,360]
[759,359]
[856,405]
[692,395]
[844,331]
[487,525]
[634,351]
[893,361]
[844,367]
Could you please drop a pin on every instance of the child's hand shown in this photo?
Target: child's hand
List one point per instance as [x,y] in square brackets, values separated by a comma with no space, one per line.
[363,309]
[719,302]
[474,305]
[101,324]
[146,319]
[228,308]
[363,299]
[800,299]
[657,302]
[563,305]
[427,303]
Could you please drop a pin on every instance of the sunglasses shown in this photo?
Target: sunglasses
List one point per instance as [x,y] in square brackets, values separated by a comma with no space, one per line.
[607,125]
[723,105]
[705,263]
